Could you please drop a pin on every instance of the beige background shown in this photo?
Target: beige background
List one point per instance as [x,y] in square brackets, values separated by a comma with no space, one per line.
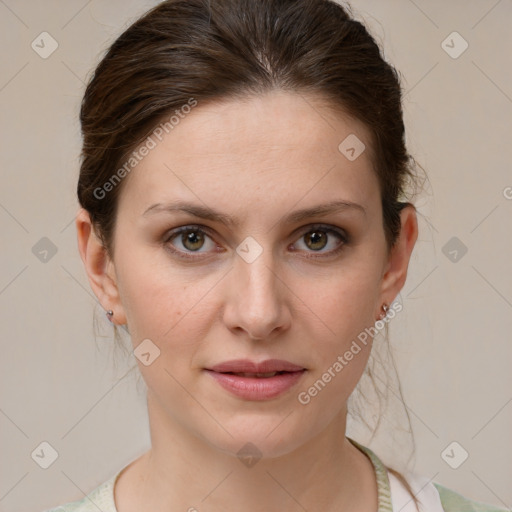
[452,342]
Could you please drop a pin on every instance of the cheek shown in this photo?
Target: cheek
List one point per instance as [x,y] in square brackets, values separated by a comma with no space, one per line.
[344,304]
[343,301]
[341,352]
[170,307]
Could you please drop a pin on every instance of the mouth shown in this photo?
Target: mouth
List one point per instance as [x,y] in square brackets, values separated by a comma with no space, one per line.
[256,375]
[256,381]
[252,368]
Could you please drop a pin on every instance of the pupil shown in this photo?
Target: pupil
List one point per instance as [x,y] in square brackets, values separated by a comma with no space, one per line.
[192,238]
[317,237]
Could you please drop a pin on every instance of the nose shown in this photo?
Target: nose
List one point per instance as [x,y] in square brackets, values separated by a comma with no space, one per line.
[257,298]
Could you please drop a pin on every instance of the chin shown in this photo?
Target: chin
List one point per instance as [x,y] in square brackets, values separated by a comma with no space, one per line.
[265,438]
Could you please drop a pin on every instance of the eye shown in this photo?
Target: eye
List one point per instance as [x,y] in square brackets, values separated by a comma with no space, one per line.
[189,239]
[319,237]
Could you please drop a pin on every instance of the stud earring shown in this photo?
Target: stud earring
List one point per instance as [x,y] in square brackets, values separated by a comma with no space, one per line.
[385,308]
[109,314]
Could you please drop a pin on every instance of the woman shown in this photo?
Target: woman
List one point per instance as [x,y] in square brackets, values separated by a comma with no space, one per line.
[241,189]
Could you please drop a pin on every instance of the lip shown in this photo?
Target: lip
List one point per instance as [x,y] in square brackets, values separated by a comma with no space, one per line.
[256,388]
[247,366]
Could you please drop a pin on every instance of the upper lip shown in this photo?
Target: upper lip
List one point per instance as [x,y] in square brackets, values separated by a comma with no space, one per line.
[247,366]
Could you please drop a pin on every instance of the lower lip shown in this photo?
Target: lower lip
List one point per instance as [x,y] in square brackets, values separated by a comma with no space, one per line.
[257,388]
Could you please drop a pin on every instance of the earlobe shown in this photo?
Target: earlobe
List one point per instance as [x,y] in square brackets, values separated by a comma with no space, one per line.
[397,265]
[99,267]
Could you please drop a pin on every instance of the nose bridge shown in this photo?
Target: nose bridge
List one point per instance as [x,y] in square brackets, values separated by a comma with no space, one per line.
[258,299]
[258,277]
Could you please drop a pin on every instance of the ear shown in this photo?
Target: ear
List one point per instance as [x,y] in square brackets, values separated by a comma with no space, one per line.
[99,267]
[395,270]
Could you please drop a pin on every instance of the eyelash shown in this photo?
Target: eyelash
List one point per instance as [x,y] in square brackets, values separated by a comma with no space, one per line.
[196,228]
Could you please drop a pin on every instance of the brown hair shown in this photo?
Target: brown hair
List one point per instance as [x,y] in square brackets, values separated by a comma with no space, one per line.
[209,50]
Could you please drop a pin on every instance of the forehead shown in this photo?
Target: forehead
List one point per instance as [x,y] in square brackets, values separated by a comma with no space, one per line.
[248,150]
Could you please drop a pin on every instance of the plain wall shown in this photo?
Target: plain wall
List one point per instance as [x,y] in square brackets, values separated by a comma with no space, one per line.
[452,342]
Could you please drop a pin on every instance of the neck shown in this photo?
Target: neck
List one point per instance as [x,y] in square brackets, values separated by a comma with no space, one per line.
[183,471]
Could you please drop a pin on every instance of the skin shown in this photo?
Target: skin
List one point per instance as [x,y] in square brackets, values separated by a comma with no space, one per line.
[256,159]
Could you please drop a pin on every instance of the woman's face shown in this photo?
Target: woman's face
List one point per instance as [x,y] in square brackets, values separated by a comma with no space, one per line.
[273,282]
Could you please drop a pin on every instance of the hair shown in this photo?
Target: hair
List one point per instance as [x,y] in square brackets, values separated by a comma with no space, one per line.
[214,50]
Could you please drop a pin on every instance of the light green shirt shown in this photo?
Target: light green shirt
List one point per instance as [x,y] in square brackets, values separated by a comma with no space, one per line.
[102,498]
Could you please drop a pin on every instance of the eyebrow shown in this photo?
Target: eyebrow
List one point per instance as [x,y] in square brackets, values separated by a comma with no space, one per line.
[207,213]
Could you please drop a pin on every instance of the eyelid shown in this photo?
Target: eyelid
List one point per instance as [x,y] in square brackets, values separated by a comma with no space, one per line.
[324,227]
[172,233]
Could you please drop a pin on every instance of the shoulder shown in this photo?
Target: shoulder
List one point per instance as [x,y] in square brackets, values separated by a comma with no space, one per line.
[101,498]
[455,502]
